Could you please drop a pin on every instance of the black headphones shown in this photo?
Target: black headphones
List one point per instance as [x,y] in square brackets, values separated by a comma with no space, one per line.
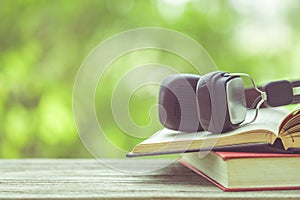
[218,101]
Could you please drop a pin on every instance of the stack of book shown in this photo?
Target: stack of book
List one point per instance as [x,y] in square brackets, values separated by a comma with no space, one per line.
[262,156]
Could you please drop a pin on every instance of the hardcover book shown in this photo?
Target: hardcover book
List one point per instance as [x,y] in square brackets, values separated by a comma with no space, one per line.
[274,130]
[241,171]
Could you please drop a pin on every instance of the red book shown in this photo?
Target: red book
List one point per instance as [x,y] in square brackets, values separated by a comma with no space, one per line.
[241,171]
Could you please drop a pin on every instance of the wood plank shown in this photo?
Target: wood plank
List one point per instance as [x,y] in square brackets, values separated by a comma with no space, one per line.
[88,179]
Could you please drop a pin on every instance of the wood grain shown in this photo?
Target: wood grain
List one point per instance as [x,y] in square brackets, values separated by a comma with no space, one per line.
[89,179]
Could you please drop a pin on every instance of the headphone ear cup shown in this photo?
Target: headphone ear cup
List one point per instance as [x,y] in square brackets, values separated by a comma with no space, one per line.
[212,102]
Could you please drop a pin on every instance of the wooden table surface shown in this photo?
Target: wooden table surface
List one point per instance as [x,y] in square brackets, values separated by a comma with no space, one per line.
[88,179]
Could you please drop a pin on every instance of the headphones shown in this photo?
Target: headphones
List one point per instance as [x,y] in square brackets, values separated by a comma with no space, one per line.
[218,101]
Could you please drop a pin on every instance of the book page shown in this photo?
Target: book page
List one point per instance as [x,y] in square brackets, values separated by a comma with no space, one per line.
[291,123]
[268,119]
[289,131]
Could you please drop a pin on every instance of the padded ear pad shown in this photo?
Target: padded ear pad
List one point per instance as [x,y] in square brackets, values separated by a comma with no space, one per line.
[177,100]
[212,102]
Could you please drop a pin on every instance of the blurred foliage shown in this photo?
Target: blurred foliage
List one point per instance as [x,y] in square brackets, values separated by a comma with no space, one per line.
[44,42]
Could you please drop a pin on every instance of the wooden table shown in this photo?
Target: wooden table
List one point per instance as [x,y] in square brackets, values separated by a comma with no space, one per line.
[88,179]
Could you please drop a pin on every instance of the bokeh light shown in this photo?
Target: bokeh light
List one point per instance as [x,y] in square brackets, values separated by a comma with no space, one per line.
[43,43]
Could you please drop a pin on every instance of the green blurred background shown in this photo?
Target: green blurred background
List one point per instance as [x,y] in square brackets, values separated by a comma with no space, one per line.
[44,42]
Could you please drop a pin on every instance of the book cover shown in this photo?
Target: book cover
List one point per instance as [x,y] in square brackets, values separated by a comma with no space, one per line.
[276,180]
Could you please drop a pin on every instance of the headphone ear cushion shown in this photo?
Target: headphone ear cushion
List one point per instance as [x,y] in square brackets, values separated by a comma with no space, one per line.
[204,104]
[177,100]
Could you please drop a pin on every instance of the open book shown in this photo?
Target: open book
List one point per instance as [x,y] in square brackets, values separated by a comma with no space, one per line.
[274,130]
